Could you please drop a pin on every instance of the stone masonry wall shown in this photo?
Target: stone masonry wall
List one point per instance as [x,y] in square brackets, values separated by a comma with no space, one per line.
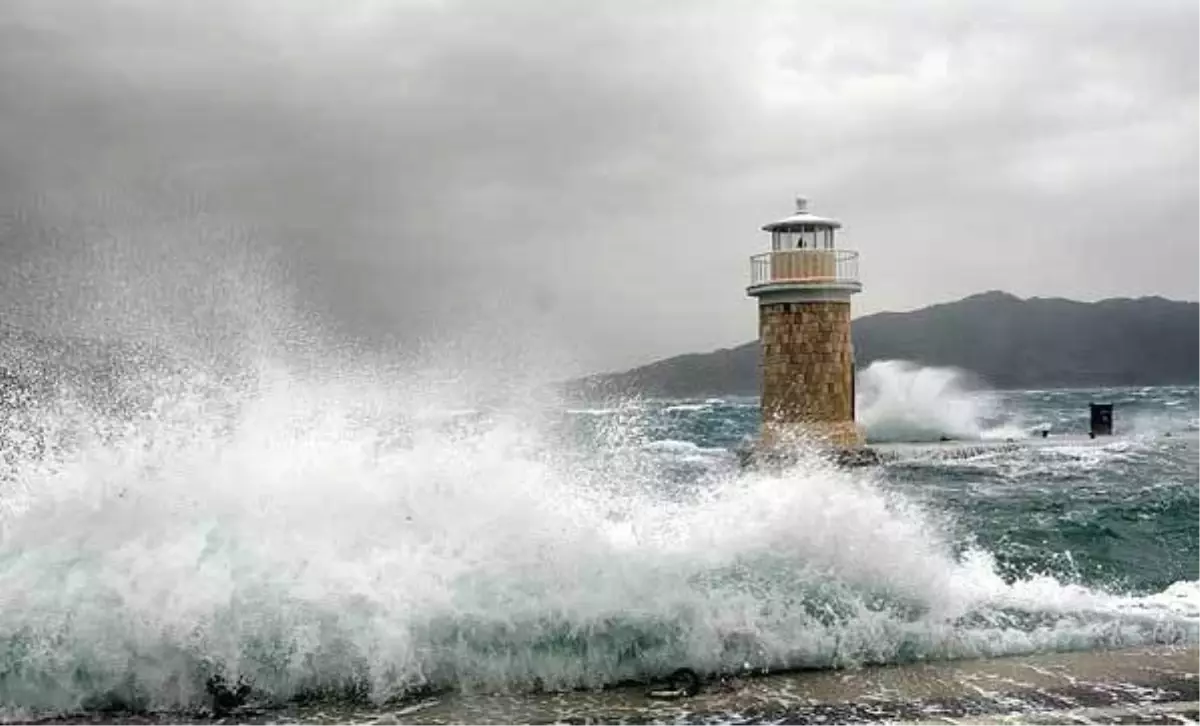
[807,366]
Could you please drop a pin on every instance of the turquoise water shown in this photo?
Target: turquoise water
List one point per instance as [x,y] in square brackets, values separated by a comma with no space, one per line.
[1118,513]
[372,539]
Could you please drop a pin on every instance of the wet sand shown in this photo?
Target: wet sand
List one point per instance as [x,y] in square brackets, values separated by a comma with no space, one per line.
[1151,684]
[1143,685]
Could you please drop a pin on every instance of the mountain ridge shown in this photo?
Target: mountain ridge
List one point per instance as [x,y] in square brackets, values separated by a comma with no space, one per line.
[1007,341]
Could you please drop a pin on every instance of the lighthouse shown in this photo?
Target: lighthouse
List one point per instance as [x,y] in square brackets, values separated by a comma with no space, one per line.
[803,286]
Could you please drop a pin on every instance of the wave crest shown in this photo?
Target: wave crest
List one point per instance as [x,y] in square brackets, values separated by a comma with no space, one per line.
[899,401]
[314,537]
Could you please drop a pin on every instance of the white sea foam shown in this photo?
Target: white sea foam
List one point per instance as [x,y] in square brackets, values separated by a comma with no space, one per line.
[899,401]
[676,446]
[689,407]
[283,532]
[593,411]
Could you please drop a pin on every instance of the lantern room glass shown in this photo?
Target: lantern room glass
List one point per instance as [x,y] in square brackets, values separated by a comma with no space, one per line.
[806,237]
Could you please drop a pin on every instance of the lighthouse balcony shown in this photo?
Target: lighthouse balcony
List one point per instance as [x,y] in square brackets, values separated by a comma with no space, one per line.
[805,268]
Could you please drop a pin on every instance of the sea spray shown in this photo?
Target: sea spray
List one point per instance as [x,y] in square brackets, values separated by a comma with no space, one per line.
[900,401]
[315,535]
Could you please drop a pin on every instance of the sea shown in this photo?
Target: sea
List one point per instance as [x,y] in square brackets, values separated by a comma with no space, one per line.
[289,547]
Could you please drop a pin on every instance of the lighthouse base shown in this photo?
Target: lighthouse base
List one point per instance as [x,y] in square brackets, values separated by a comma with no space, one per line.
[782,445]
[760,456]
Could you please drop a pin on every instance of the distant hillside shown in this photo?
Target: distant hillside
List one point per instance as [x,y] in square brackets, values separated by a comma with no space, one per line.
[1009,342]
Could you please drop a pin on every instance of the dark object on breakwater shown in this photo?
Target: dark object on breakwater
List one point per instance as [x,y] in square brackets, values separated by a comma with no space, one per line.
[1102,419]
[682,683]
[226,699]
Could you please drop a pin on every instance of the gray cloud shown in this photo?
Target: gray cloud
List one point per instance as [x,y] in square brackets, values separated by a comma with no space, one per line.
[591,176]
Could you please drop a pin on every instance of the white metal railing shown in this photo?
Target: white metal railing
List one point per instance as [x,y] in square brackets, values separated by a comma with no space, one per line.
[814,266]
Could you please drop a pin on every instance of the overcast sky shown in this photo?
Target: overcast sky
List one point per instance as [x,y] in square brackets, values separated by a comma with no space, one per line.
[594,174]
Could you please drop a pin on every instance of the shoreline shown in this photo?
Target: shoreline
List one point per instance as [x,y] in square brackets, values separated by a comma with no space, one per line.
[1150,684]
[1053,685]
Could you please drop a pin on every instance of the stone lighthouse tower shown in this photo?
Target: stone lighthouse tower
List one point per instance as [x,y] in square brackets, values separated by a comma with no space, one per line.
[803,286]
